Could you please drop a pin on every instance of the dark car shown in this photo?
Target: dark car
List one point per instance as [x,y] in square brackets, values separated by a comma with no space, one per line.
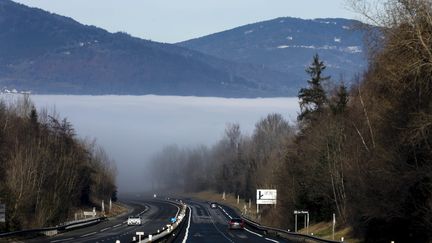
[213,205]
[236,223]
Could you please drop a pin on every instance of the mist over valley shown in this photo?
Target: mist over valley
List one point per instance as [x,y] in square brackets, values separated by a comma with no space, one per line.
[133,128]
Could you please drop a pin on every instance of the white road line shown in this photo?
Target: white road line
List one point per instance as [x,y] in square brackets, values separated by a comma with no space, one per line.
[229,216]
[247,229]
[214,225]
[187,229]
[102,230]
[272,240]
[253,232]
[62,240]
[92,233]
[117,225]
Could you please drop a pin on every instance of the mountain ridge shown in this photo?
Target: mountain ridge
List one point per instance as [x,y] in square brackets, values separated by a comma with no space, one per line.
[287,44]
[48,53]
[51,54]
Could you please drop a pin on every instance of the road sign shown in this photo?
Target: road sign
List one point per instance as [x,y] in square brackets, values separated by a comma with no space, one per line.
[91,214]
[266,196]
[2,213]
[300,212]
[139,235]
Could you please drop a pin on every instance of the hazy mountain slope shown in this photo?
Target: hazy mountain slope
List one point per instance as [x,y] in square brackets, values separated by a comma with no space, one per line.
[48,53]
[288,44]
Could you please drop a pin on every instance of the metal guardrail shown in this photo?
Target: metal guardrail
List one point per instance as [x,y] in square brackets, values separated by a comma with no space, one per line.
[291,236]
[55,229]
[169,234]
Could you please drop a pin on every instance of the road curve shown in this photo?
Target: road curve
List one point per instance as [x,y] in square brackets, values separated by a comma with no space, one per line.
[156,215]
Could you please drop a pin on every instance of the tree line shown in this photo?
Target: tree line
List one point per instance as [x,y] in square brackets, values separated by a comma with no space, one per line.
[363,152]
[45,170]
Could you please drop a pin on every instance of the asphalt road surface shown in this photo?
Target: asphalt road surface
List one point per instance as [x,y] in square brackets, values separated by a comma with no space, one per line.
[207,225]
[156,215]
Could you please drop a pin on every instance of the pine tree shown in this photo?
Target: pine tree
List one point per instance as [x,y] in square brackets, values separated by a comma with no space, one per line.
[340,100]
[313,98]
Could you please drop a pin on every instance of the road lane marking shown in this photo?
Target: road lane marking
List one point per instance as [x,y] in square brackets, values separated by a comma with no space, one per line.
[247,229]
[187,229]
[92,233]
[229,216]
[214,225]
[253,232]
[117,225]
[272,240]
[62,240]
[102,230]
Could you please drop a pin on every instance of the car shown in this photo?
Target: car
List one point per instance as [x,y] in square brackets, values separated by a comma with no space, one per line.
[213,205]
[134,220]
[236,223]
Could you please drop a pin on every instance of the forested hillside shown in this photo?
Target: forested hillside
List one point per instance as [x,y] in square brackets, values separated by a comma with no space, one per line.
[52,54]
[45,170]
[286,45]
[362,152]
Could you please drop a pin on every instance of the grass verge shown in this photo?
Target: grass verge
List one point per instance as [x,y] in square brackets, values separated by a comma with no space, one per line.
[321,229]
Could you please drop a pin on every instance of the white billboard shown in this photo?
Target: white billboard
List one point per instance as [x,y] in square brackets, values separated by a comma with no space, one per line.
[266,196]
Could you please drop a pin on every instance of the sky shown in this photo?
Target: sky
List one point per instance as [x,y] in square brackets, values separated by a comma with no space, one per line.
[172,21]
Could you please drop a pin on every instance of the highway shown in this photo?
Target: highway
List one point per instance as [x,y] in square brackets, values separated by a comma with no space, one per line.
[156,214]
[207,225]
[202,225]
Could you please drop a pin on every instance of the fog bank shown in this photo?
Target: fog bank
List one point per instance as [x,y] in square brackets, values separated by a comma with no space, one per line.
[133,128]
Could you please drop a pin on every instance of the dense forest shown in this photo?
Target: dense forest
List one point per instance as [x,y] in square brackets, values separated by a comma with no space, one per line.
[45,170]
[363,151]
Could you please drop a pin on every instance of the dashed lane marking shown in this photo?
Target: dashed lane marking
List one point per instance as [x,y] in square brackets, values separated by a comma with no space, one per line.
[102,230]
[62,240]
[92,233]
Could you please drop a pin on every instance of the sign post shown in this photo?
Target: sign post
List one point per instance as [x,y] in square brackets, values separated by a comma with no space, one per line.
[265,196]
[139,235]
[334,224]
[306,219]
[2,213]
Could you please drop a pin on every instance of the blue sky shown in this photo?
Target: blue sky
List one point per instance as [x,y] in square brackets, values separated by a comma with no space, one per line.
[176,20]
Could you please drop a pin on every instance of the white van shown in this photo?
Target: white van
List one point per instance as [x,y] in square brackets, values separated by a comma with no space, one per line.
[132,220]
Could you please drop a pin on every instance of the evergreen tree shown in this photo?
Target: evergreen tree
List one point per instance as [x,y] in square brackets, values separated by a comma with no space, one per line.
[340,100]
[313,98]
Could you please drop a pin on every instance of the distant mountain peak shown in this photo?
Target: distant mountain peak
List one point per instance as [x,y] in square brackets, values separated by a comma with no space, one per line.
[49,53]
[287,45]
